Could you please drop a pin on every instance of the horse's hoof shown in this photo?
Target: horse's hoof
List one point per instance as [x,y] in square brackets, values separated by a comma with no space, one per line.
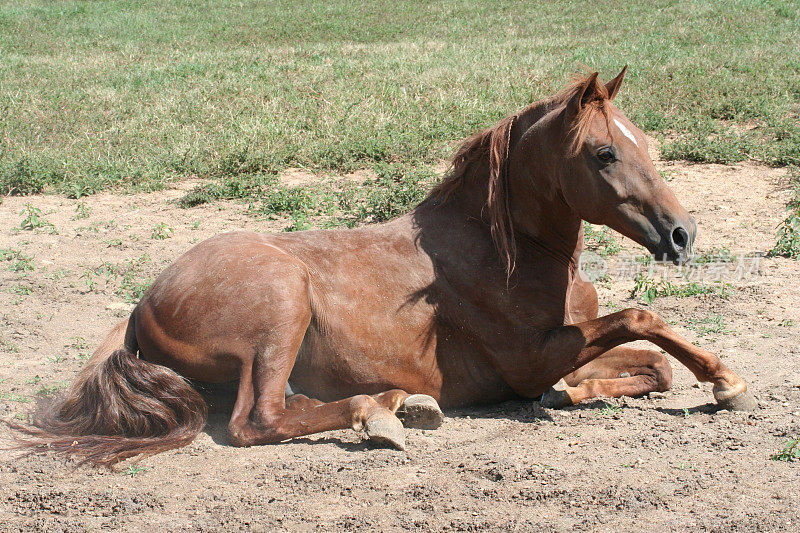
[386,429]
[735,397]
[420,411]
[744,401]
[556,396]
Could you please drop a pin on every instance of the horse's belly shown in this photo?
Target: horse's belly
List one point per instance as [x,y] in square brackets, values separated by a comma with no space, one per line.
[330,367]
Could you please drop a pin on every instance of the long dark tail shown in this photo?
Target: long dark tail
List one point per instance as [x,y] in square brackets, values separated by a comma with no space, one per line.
[120,406]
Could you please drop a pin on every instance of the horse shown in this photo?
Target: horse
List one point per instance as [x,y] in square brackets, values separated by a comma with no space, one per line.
[475,296]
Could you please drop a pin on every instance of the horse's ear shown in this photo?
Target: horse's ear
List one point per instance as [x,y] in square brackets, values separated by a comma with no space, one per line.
[585,93]
[613,86]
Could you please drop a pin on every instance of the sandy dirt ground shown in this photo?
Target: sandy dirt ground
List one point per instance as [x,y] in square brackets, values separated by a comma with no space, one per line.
[668,462]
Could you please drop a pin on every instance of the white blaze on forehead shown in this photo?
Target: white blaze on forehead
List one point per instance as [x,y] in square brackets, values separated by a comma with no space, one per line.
[625,131]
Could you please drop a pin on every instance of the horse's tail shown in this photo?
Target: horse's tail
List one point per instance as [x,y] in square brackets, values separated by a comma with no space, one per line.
[120,406]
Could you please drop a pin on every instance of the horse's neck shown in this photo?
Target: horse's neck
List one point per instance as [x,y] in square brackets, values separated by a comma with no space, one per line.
[542,221]
[460,226]
[468,270]
[538,207]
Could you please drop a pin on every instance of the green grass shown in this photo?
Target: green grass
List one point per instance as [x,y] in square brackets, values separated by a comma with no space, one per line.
[330,203]
[788,241]
[134,470]
[47,390]
[711,324]
[97,95]
[162,231]
[126,279]
[21,289]
[82,210]
[720,254]
[600,240]
[9,346]
[608,409]
[789,453]
[132,289]
[12,397]
[647,289]
[788,238]
[33,218]
[18,261]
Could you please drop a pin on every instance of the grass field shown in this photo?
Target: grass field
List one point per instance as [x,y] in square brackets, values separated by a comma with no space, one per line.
[129,94]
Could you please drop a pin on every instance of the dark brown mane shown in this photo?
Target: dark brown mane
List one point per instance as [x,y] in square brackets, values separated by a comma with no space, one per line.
[494,144]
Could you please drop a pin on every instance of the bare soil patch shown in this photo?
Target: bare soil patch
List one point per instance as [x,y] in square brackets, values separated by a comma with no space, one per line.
[669,462]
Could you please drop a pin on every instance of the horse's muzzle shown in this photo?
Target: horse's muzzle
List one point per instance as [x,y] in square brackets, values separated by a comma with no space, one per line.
[676,246]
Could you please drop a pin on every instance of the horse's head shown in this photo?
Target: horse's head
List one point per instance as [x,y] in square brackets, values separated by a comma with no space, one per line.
[610,179]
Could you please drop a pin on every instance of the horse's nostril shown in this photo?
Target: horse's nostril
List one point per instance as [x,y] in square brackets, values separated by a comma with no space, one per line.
[680,238]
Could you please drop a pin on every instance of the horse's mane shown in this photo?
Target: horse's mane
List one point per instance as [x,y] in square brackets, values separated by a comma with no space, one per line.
[494,144]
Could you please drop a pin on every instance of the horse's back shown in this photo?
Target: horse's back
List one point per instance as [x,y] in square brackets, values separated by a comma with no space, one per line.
[210,308]
[363,302]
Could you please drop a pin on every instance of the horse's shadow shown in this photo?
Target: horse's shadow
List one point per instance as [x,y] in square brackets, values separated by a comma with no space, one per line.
[599,404]
[527,411]
[706,408]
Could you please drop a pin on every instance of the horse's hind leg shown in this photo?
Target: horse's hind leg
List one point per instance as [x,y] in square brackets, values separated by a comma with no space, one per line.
[262,415]
[625,361]
[277,423]
[270,419]
[418,411]
[622,371]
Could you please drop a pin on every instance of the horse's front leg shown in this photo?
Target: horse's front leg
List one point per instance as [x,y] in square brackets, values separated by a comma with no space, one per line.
[562,350]
[621,371]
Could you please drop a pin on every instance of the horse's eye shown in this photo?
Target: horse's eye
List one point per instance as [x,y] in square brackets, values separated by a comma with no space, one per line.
[606,155]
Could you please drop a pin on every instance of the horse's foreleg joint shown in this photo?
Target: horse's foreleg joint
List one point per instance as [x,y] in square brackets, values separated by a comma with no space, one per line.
[643,323]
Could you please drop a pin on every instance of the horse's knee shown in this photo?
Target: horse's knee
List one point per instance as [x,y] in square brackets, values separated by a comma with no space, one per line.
[641,322]
[238,438]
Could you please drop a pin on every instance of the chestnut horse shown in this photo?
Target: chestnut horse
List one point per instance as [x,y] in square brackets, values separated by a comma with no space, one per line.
[472,297]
